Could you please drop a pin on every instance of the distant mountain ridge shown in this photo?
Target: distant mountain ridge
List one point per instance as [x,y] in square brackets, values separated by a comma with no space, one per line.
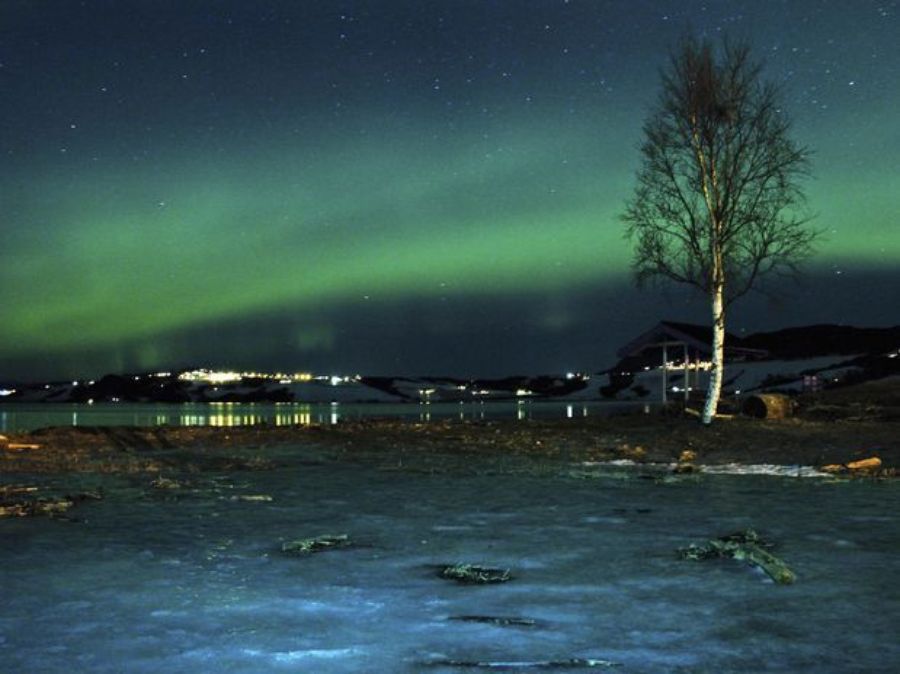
[837,354]
[824,340]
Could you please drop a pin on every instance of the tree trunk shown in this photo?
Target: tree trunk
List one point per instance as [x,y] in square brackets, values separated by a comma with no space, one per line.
[718,354]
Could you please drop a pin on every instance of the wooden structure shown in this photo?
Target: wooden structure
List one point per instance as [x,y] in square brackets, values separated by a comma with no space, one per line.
[690,342]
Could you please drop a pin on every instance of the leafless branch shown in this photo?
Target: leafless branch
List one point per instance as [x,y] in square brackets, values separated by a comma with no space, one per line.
[720,174]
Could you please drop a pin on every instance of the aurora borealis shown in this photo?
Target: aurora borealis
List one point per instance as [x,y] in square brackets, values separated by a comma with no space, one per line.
[395,187]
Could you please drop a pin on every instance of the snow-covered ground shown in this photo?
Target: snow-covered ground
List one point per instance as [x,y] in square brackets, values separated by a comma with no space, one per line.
[741,377]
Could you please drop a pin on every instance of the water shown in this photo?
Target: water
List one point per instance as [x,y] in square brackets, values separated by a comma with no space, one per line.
[193,581]
[24,417]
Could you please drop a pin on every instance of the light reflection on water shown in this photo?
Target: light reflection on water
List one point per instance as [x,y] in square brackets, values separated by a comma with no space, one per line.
[25,417]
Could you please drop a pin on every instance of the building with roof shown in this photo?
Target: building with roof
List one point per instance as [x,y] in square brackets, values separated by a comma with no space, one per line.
[685,348]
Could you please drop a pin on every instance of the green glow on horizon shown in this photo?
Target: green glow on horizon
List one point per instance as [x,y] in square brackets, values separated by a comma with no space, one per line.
[147,252]
[159,182]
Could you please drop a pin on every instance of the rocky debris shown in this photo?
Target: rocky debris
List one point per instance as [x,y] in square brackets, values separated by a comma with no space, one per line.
[686,463]
[16,490]
[569,663]
[870,467]
[6,445]
[869,464]
[305,546]
[474,574]
[865,464]
[252,498]
[499,621]
[744,546]
[33,508]
[167,483]
[25,501]
[626,451]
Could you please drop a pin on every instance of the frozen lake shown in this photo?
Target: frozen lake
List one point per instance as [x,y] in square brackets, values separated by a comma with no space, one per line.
[29,416]
[194,581]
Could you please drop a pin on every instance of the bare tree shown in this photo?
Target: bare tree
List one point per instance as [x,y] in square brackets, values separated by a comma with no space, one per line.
[718,203]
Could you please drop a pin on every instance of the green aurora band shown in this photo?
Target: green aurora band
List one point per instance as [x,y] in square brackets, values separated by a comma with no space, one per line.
[140,253]
[189,201]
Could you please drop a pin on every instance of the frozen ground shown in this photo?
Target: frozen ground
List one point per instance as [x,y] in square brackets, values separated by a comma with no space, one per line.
[193,580]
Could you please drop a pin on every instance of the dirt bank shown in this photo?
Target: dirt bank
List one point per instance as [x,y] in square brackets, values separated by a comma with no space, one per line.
[650,438]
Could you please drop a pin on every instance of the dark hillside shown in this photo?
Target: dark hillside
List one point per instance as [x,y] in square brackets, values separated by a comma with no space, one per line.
[825,340]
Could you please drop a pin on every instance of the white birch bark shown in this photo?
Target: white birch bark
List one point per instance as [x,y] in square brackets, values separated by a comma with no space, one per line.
[718,354]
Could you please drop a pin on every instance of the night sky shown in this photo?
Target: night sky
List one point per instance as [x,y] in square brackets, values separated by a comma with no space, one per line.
[396,187]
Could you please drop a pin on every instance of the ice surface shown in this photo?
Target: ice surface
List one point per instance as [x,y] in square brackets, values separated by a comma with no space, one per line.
[765,469]
[194,581]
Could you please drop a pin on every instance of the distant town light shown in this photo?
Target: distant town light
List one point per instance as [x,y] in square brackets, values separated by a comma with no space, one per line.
[226,376]
[7,391]
[209,376]
[223,377]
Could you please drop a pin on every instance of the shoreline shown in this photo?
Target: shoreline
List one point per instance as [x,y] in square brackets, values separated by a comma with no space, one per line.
[643,439]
